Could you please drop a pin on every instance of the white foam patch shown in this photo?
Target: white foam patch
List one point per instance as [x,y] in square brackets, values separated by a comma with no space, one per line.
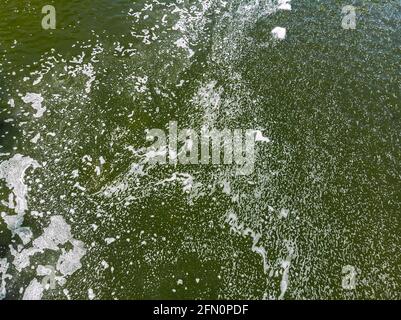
[13,172]
[70,261]
[260,138]
[35,138]
[3,277]
[35,100]
[34,291]
[285,264]
[91,294]
[43,271]
[183,43]
[104,264]
[284,5]
[11,103]
[55,235]
[24,233]
[109,240]
[284,213]
[22,258]
[279,33]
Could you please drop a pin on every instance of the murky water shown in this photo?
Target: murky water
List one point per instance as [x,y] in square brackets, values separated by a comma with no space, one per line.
[319,216]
